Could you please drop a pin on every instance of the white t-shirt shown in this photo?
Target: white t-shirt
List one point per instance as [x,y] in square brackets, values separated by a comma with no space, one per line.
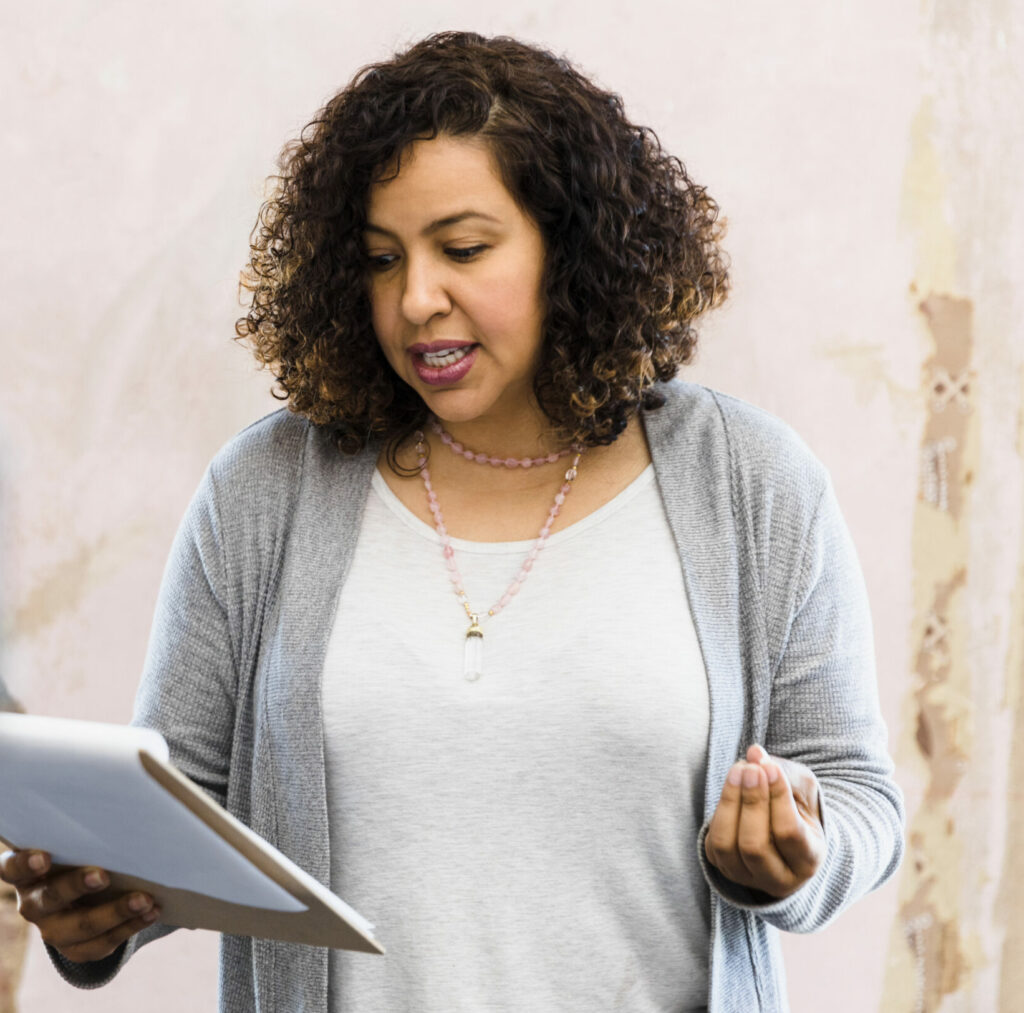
[525,842]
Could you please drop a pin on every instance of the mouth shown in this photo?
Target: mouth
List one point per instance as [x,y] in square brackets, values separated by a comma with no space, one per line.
[441,363]
[445,357]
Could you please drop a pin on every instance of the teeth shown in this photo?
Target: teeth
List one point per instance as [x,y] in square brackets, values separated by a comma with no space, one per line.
[438,360]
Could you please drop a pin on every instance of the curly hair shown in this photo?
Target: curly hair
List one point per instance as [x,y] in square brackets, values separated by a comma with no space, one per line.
[632,243]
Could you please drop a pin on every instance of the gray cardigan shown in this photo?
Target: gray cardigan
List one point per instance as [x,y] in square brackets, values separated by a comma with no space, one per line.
[232,677]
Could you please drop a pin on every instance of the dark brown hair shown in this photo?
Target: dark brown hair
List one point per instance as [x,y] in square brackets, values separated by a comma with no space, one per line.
[632,242]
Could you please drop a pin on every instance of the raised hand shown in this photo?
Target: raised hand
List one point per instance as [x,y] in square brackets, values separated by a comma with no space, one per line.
[766,833]
[70,907]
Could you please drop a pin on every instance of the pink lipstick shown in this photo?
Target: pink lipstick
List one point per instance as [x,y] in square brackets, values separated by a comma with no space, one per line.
[441,363]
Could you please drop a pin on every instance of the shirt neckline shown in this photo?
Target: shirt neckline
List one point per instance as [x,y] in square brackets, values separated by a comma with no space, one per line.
[407,517]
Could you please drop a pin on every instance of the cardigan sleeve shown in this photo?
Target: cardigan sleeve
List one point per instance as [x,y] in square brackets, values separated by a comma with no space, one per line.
[824,713]
[189,681]
[188,684]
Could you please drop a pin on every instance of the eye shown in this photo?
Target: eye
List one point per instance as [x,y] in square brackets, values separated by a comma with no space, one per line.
[380,261]
[465,253]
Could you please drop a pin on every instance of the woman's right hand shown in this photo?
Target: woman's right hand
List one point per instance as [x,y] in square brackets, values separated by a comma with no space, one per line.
[70,909]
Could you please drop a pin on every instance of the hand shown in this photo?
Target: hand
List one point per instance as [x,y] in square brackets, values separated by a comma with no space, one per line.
[70,908]
[766,833]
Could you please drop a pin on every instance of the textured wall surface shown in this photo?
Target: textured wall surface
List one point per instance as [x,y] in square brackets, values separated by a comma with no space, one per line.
[868,158]
[13,942]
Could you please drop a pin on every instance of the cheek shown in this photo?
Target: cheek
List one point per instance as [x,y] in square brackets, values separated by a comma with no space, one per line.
[382,319]
[514,309]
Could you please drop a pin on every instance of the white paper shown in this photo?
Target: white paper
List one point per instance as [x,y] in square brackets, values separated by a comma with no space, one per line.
[78,790]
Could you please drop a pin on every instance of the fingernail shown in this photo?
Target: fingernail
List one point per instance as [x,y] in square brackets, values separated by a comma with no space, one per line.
[140,903]
[750,777]
[94,880]
[735,777]
[151,915]
[37,863]
[772,771]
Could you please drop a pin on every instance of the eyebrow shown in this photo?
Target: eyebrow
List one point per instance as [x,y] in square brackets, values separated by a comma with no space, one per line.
[438,223]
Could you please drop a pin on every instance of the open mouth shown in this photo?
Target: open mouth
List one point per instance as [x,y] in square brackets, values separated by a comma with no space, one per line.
[448,357]
[442,366]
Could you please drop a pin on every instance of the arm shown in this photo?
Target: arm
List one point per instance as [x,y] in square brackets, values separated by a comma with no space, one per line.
[824,716]
[187,692]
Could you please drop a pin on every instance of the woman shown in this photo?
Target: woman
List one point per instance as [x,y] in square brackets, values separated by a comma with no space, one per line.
[557,669]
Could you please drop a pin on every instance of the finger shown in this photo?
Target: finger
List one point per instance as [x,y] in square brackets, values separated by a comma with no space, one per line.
[20,867]
[802,782]
[765,867]
[806,794]
[804,786]
[795,840]
[756,754]
[104,945]
[59,891]
[83,926]
[720,842]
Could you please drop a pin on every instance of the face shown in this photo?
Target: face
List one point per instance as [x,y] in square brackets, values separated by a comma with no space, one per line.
[455,282]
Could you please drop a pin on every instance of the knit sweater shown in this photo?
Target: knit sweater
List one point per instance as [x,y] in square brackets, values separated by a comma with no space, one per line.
[233,673]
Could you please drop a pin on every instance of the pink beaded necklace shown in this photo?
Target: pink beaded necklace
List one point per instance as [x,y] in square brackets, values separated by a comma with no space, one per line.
[496,462]
[474,653]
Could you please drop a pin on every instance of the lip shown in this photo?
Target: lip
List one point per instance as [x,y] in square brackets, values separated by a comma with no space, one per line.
[443,376]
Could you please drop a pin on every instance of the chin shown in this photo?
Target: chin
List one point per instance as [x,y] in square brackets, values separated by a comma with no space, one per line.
[454,405]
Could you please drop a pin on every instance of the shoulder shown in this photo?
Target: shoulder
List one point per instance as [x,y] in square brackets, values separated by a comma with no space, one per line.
[277,466]
[270,448]
[250,487]
[273,457]
[763,453]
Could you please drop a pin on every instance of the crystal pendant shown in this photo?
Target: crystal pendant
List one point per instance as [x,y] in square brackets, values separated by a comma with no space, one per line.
[473,663]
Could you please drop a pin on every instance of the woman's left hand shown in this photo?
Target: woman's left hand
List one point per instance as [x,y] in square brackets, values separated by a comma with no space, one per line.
[766,833]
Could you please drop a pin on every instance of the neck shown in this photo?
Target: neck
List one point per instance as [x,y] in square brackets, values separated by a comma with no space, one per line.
[528,436]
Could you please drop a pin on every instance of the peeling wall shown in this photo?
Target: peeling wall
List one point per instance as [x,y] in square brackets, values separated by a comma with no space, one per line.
[936,958]
[957,941]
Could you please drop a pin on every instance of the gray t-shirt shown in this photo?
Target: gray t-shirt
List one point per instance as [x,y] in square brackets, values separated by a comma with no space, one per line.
[527,841]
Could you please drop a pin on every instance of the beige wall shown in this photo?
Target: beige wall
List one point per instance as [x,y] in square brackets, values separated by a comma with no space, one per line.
[868,157]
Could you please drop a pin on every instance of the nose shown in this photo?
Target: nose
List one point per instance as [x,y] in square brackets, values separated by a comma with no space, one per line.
[424,295]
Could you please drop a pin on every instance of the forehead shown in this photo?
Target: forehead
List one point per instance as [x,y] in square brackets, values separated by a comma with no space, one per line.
[436,178]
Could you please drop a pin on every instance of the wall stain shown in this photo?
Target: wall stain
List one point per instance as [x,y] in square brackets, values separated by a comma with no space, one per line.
[1011,887]
[1013,684]
[67,584]
[59,591]
[866,365]
[937,958]
[959,934]
[925,206]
